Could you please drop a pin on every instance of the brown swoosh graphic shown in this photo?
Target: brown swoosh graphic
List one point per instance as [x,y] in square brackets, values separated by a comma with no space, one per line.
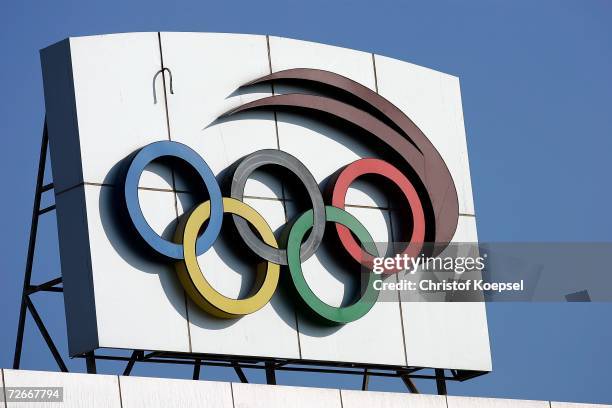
[382,119]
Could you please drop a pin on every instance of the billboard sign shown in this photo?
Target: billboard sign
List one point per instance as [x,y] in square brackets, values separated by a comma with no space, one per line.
[216,193]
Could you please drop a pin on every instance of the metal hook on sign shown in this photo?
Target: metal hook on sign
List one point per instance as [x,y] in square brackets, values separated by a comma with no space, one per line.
[161,71]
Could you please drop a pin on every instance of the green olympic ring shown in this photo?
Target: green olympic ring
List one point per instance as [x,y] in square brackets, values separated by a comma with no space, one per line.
[331,314]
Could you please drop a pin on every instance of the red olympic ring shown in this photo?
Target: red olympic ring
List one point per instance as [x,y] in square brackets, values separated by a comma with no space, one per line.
[378,167]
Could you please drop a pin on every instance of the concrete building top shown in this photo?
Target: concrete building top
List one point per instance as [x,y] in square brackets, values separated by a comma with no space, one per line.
[109,391]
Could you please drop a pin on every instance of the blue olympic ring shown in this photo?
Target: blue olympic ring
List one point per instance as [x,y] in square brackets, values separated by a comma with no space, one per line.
[172,150]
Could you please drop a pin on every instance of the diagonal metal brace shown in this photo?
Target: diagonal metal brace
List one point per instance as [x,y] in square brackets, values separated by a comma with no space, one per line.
[45,334]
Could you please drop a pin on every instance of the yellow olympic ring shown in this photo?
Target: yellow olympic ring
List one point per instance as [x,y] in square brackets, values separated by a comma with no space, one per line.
[192,278]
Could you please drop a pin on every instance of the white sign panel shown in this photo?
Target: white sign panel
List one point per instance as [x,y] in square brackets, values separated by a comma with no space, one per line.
[113,101]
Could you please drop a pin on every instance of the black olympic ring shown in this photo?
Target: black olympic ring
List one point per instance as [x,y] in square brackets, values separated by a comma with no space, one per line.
[264,157]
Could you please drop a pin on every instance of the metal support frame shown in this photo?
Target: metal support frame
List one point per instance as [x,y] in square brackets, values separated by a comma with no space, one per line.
[239,372]
[196,369]
[366,380]
[270,373]
[270,365]
[136,355]
[440,381]
[51,286]
[90,363]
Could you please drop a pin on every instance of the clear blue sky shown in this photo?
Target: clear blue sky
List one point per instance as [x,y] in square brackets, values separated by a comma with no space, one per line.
[536,78]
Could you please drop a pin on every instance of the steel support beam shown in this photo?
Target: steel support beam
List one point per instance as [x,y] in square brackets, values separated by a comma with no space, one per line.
[270,373]
[239,373]
[196,368]
[43,330]
[136,355]
[46,287]
[46,210]
[90,363]
[440,382]
[42,158]
[366,380]
[408,382]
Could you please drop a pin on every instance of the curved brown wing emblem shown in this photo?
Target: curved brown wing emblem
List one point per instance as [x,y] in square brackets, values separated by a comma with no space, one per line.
[380,118]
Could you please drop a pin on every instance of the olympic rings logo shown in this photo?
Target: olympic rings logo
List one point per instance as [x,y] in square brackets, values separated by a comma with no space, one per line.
[425,200]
